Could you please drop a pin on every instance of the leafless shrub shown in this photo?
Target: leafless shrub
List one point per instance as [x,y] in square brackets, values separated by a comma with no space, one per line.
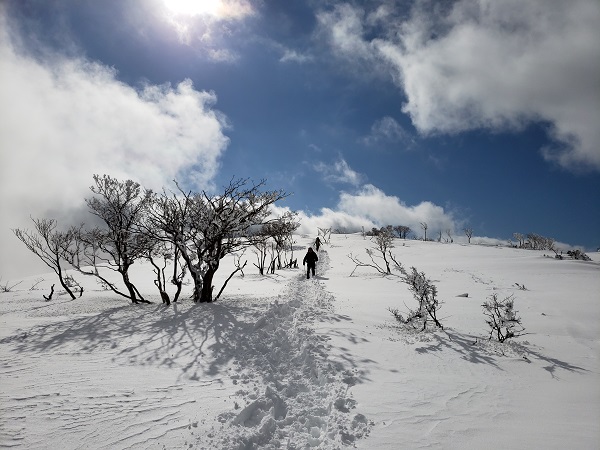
[502,318]
[380,255]
[35,284]
[6,287]
[425,293]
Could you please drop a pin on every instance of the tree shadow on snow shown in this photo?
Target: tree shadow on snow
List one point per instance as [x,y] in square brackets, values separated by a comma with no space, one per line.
[464,345]
[198,339]
[478,350]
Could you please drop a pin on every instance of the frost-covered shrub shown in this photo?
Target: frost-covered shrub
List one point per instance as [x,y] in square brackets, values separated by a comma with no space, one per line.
[578,254]
[425,293]
[502,318]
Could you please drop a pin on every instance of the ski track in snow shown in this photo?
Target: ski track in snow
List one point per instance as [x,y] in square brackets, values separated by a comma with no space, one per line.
[80,382]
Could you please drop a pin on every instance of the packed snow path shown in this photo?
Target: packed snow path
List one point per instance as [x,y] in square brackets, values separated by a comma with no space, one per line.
[303,399]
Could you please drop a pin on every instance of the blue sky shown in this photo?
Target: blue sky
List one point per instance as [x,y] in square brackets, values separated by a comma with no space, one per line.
[456,113]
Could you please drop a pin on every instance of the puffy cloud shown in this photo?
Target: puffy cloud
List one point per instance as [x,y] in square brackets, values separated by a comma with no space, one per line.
[487,64]
[339,172]
[344,26]
[373,204]
[294,56]
[370,207]
[65,119]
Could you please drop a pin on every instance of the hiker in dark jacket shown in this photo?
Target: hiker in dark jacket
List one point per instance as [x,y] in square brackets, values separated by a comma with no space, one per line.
[317,243]
[310,261]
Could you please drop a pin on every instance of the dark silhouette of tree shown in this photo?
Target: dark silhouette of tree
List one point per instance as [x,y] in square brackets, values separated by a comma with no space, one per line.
[206,228]
[48,244]
[122,207]
[468,233]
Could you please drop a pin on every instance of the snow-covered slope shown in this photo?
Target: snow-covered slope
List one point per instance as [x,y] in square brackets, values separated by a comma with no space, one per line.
[284,362]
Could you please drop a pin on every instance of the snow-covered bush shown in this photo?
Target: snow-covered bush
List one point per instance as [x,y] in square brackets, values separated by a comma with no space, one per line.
[425,293]
[579,255]
[502,318]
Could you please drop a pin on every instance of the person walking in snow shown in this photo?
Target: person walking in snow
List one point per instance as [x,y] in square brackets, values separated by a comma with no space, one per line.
[310,261]
[317,243]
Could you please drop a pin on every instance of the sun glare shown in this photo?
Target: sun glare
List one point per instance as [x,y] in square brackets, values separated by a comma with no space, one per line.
[194,7]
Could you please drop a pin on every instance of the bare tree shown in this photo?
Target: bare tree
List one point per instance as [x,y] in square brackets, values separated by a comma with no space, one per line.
[48,244]
[449,234]
[206,228]
[424,226]
[165,223]
[384,241]
[122,207]
[239,267]
[280,230]
[159,257]
[537,242]
[520,239]
[325,234]
[468,233]
[259,242]
[402,231]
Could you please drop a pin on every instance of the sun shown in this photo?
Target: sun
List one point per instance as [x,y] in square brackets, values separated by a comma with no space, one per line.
[194,7]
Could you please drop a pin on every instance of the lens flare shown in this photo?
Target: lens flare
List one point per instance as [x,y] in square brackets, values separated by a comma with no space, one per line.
[194,7]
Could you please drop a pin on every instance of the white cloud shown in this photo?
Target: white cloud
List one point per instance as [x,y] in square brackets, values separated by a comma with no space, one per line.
[373,204]
[344,27]
[370,207]
[387,129]
[66,119]
[294,56]
[489,64]
[338,172]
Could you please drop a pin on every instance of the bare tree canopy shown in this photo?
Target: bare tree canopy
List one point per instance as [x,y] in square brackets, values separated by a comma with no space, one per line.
[122,207]
[48,244]
[206,228]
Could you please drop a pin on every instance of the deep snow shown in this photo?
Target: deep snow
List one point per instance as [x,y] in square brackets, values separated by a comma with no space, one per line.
[284,362]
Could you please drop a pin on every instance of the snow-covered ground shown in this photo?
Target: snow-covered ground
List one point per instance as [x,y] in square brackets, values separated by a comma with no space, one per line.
[284,362]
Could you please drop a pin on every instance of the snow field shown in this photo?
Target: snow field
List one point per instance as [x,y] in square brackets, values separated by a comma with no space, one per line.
[285,362]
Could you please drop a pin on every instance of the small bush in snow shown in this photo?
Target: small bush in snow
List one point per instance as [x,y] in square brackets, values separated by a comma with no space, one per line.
[7,287]
[502,318]
[578,254]
[425,293]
